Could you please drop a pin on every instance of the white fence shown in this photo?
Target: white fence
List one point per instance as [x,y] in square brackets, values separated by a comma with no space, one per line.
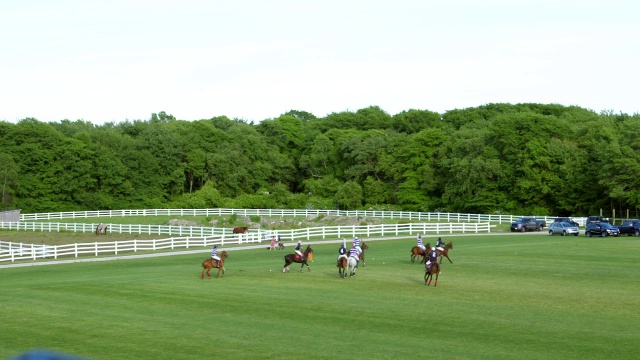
[418,216]
[10,251]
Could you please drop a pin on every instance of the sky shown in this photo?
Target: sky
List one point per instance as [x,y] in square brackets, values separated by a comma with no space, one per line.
[112,61]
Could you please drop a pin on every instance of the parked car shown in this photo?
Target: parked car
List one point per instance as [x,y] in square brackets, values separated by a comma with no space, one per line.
[563,228]
[528,224]
[630,227]
[566,219]
[601,229]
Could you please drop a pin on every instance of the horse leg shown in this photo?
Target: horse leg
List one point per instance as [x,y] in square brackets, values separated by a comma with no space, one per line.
[436,283]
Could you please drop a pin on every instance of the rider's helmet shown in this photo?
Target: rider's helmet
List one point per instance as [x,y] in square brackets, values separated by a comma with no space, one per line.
[433,249]
[215,246]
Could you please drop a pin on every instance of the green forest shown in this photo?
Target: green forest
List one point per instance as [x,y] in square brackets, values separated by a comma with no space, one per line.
[543,159]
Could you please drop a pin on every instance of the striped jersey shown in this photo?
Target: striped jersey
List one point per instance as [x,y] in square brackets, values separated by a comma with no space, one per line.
[353,252]
[356,242]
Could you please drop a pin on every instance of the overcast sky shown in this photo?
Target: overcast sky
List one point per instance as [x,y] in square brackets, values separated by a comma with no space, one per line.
[109,61]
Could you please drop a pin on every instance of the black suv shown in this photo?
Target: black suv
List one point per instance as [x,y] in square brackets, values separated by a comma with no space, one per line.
[630,227]
[567,220]
[603,229]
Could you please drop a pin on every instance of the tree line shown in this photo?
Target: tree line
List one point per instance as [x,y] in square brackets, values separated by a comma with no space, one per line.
[544,159]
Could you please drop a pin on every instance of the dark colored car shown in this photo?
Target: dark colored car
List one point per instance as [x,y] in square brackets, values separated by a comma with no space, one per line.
[567,220]
[603,229]
[630,227]
[563,228]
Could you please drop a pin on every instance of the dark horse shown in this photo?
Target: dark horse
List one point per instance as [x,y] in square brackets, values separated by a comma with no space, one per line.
[342,267]
[429,271]
[445,253]
[102,229]
[416,251]
[240,229]
[209,264]
[361,256]
[295,258]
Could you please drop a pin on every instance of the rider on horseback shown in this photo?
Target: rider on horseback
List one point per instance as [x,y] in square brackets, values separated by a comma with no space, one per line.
[420,245]
[214,255]
[440,244]
[433,257]
[297,249]
[356,244]
[343,253]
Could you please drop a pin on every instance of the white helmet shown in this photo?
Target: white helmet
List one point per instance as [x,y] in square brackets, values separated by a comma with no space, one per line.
[433,249]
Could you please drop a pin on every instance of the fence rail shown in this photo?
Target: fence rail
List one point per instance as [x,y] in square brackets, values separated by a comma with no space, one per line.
[10,251]
[419,216]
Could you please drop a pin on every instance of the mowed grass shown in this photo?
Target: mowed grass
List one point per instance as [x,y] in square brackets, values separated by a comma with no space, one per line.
[505,297]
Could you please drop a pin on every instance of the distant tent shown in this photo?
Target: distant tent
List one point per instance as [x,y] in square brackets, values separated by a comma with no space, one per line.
[10,215]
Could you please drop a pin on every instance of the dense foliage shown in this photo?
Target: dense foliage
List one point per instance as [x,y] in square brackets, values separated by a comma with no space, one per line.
[523,158]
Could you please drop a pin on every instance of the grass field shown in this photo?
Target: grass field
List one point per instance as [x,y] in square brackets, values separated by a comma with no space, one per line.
[507,296]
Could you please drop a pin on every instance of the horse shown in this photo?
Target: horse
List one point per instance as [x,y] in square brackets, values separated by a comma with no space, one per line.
[280,246]
[445,253]
[342,267]
[361,255]
[352,265]
[240,229]
[429,271]
[102,229]
[209,264]
[294,258]
[416,251]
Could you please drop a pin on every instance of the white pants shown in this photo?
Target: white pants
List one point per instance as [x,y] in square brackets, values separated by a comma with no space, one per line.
[422,247]
[216,257]
[299,253]
[342,256]
[359,249]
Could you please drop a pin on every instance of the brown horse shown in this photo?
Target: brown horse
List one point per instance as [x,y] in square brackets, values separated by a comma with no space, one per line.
[240,229]
[295,258]
[342,267]
[361,255]
[209,264]
[429,271]
[102,229]
[445,253]
[417,252]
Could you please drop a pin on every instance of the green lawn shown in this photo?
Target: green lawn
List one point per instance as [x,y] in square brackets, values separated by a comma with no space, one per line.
[505,297]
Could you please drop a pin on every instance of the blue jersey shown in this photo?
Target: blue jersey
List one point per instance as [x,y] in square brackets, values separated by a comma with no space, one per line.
[342,251]
[433,256]
[439,243]
[298,247]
